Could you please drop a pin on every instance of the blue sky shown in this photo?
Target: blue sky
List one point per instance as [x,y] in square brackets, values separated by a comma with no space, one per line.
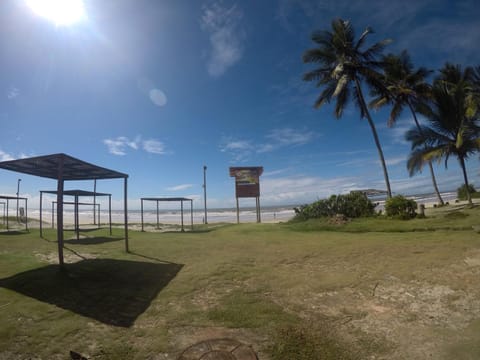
[159,88]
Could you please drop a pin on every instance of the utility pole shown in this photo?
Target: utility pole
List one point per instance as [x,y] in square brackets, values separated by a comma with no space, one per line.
[205,191]
[18,193]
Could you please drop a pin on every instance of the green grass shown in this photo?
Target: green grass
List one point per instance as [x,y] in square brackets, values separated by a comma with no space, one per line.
[294,291]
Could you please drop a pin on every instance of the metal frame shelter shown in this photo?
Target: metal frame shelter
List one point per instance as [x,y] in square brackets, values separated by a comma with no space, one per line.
[77,194]
[63,167]
[157,200]
[72,203]
[5,213]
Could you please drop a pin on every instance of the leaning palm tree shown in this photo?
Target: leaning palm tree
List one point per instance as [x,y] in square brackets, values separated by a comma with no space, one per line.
[344,65]
[405,86]
[453,128]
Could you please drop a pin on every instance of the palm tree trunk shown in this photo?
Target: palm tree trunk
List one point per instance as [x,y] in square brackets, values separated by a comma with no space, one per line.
[432,174]
[375,136]
[467,189]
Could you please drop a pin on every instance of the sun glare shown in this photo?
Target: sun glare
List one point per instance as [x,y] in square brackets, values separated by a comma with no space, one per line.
[60,12]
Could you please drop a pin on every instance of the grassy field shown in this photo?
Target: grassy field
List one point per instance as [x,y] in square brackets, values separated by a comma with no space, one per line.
[367,289]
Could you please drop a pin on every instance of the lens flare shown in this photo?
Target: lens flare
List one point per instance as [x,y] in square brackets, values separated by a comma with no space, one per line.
[60,12]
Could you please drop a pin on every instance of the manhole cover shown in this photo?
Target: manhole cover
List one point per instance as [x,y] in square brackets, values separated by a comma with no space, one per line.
[219,349]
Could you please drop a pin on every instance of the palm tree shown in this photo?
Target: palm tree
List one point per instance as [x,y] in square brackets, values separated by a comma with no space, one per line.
[453,124]
[405,86]
[344,65]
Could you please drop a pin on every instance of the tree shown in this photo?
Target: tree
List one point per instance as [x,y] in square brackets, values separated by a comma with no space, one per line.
[405,86]
[453,127]
[344,65]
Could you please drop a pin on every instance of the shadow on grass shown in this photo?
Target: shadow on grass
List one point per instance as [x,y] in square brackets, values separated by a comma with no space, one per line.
[92,240]
[114,292]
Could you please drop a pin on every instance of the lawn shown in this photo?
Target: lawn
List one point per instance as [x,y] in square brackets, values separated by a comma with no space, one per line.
[368,289]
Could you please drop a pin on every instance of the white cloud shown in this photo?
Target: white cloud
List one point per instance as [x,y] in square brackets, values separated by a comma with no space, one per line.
[180,187]
[226,36]
[241,149]
[119,145]
[153,146]
[13,93]
[305,189]
[5,156]
[279,138]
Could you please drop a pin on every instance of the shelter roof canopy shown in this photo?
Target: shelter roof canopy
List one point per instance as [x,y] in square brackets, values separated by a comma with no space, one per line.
[76,193]
[60,166]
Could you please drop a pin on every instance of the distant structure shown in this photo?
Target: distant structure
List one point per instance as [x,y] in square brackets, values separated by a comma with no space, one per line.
[247,185]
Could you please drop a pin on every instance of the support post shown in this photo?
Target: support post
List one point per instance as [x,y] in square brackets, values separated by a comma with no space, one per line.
[41,227]
[26,214]
[60,212]
[110,213]
[191,213]
[238,213]
[7,215]
[181,213]
[125,187]
[95,201]
[157,215]
[77,217]
[141,212]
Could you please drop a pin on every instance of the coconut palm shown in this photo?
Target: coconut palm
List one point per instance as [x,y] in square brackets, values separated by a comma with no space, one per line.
[344,65]
[453,128]
[405,86]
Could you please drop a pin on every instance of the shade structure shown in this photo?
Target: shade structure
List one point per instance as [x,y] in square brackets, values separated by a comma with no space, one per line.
[5,208]
[169,199]
[63,167]
[77,194]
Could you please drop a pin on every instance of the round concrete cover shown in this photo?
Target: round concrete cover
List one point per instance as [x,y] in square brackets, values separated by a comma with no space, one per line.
[219,349]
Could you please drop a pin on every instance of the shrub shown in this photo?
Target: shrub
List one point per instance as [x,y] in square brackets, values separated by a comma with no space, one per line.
[353,205]
[401,207]
[462,191]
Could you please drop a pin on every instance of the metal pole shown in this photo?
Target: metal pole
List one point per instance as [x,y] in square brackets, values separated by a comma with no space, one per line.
[18,192]
[205,191]
[238,213]
[26,214]
[60,212]
[94,200]
[157,216]
[141,211]
[125,188]
[76,217]
[110,212]
[41,228]
[181,212]
[191,213]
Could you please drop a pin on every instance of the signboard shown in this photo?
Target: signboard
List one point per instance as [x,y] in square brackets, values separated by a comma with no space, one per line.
[247,181]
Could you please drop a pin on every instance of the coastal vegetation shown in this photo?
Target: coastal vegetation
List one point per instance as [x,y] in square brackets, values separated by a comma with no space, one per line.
[450,106]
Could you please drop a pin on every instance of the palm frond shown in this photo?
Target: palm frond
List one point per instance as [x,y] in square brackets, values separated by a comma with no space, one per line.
[397,109]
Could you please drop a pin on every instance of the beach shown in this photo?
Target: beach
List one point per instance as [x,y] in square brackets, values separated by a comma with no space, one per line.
[269,214]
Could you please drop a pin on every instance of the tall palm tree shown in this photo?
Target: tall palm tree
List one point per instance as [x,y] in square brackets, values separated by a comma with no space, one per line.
[453,124]
[405,86]
[344,65]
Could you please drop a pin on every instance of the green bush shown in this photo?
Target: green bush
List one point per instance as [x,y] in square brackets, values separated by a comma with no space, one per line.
[353,205]
[462,192]
[401,207]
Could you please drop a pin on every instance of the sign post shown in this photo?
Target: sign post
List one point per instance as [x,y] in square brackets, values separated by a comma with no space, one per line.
[247,185]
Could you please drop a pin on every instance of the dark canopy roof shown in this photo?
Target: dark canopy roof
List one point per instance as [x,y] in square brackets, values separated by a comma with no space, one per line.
[49,166]
[166,199]
[76,193]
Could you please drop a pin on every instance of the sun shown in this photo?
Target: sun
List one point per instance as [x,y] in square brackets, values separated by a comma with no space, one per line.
[60,12]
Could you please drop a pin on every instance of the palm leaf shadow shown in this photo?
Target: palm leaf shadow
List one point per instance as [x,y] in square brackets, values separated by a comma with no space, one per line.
[114,292]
